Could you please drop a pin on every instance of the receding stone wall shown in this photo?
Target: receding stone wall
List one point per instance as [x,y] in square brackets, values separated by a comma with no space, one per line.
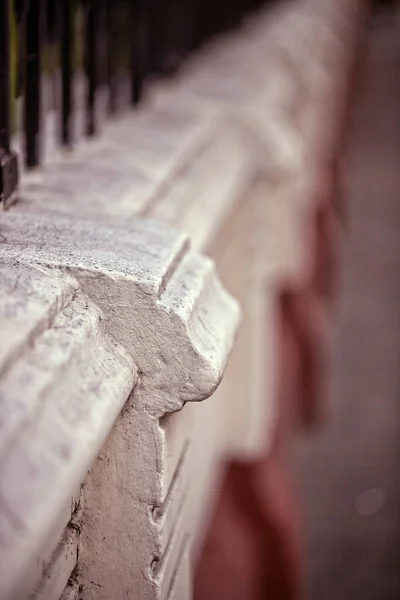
[115,321]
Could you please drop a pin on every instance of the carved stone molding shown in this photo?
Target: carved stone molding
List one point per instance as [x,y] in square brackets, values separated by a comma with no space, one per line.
[100,319]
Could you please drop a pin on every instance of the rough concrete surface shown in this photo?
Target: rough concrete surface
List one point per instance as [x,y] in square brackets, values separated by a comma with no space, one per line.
[349,475]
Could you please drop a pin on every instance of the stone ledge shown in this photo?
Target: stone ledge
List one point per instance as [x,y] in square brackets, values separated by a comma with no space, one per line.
[128,313]
[147,263]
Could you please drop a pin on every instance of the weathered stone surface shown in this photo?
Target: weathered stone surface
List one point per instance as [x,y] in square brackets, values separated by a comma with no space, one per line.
[152,261]
[63,383]
[120,173]
[166,328]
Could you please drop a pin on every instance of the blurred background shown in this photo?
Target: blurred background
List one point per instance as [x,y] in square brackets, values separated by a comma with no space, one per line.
[348,473]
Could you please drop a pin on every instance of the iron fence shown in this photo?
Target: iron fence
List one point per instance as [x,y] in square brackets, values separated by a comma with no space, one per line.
[111,43]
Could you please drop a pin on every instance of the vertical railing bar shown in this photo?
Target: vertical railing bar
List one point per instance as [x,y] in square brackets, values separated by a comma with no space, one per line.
[5,96]
[139,48]
[91,64]
[21,8]
[135,82]
[111,70]
[8,160]
[67,48]
[32,100]
[53,31]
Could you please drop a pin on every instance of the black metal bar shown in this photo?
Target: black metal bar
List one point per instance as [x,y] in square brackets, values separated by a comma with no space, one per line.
[91,64]
[8,160]
[139,48]
[135,83]
[21,8]
[67,69]
[5,95]
[111,58]
[33,42]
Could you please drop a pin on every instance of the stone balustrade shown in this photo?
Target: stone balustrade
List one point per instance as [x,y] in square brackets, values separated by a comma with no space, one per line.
[139,278]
